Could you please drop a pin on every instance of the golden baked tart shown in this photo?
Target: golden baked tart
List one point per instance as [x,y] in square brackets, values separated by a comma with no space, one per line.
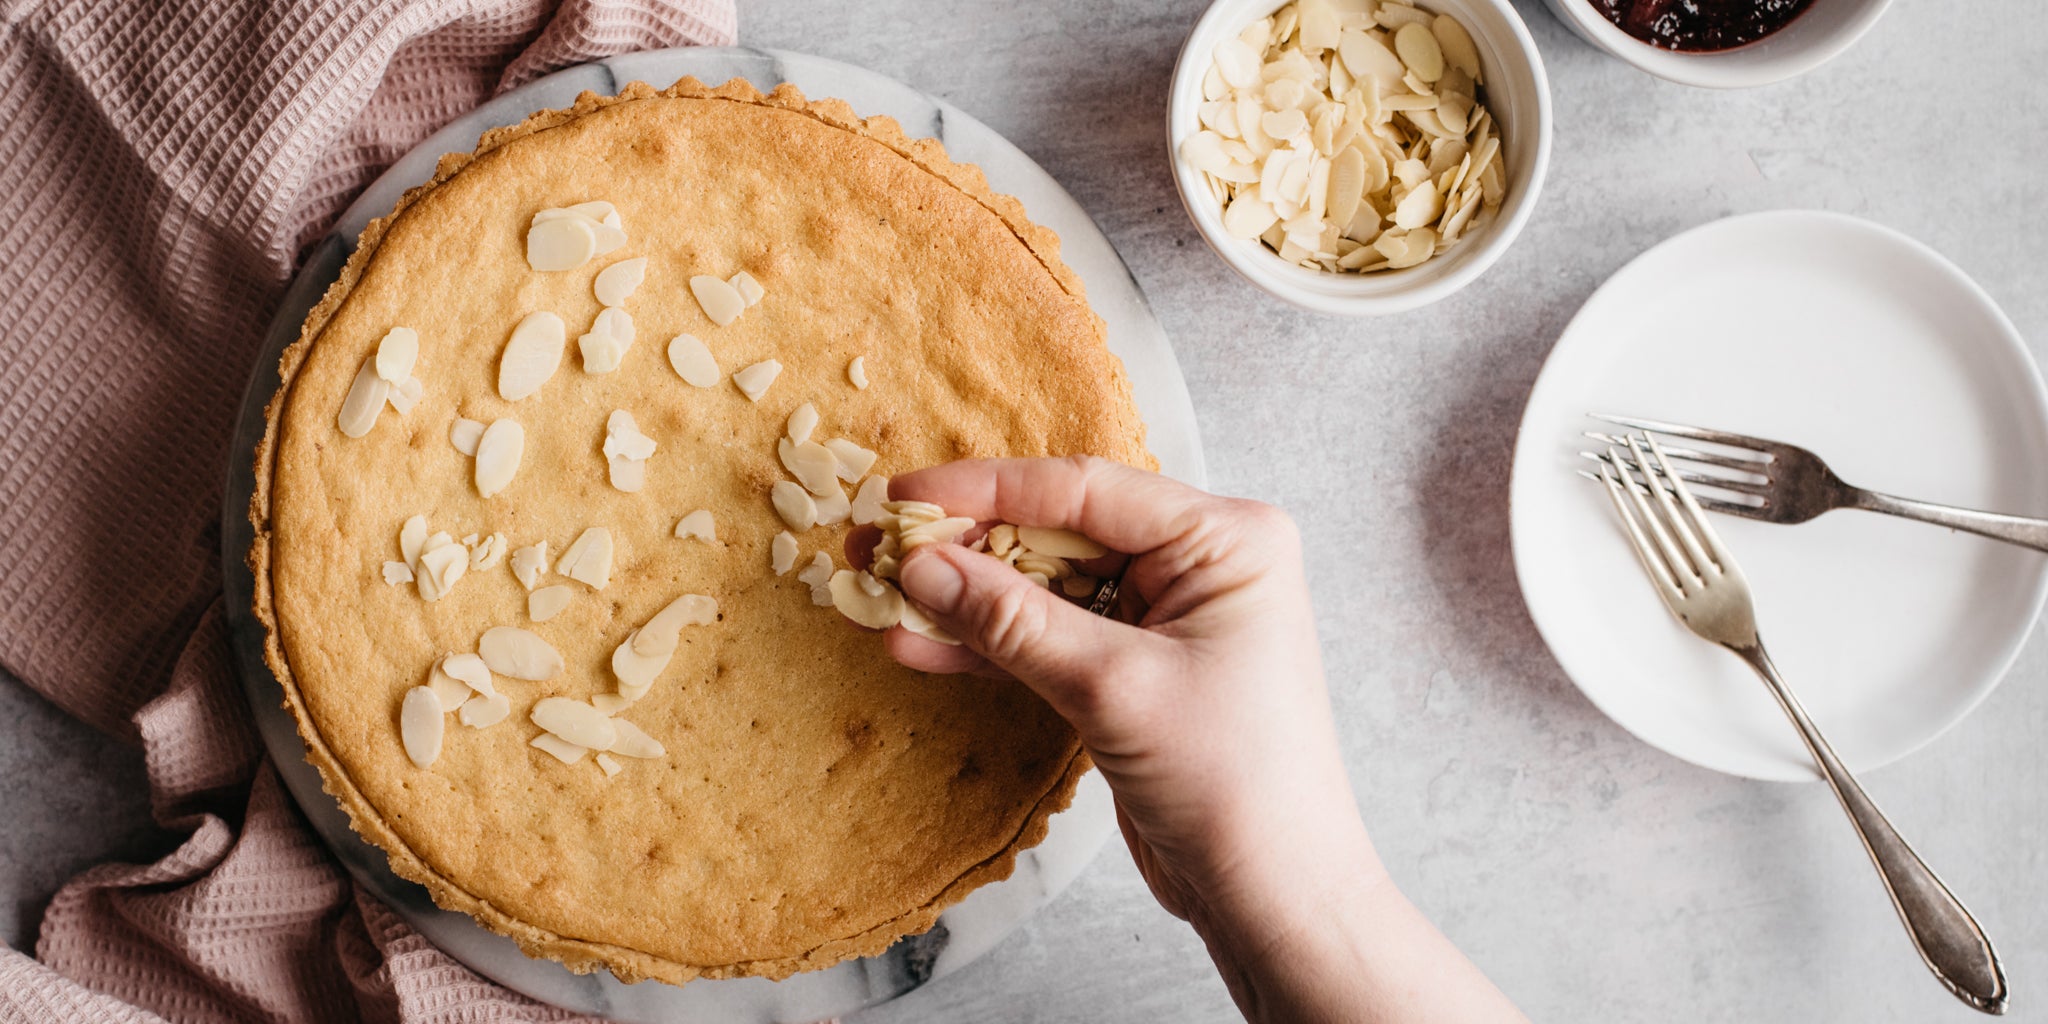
[550,516]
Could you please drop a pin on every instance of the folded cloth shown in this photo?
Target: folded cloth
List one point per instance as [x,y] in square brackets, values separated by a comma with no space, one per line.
[164,163]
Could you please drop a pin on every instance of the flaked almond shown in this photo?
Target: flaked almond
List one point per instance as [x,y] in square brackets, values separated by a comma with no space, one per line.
[618,281]
[497,455]
[420,726]
[561,243]
[1297,158]
[627,475]
[450,691]
[854,461]
[782,553]
[940,531]
[750,290]
[412,539]
[1048,566]
[487,552]
[548,602]
[481,712]
[511,651]
[464,435]
[470,671]
[608,237]
[916,622]
[1456,45]
[601,353]
[610,703]
[1248,216]
[813,465]
[596,211]
[528,563]
[622,437]
[660,634]
[698,524]
[1079,586]
[857,372]
[1419,207]
[558,748]
[1058,543]
[405,394]
[795,505]
[720,301]
[589,558]
[396,573]
[1002,539]
[692,361]
[366,398]
[911,512]
[608,764]
[875,611]
[754,380]
[1237,63]
[819,576]
[802,422]
[833,507]
[1347,184]
[819,572]
[616,322]
[575,721]
[867,503]
[439,568]
[636,671]
[1417,47]
[532,355]
[396,353]
[630,741]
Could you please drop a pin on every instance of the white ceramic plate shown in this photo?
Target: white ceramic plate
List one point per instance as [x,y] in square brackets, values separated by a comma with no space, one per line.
[964,931]
[1846,338]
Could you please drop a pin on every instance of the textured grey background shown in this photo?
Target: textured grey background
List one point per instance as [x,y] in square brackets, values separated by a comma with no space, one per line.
[1593,877]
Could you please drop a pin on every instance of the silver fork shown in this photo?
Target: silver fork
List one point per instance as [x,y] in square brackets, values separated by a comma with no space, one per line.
[1701,584]
[1797,486]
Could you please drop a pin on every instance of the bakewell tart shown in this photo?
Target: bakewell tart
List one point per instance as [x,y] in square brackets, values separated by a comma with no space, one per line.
[550,519]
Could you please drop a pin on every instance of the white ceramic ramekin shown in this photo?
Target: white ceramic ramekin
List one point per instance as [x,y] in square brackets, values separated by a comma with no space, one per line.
[1516,91]
[1815,36]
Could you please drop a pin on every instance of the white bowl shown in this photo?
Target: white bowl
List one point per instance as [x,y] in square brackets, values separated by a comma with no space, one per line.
[1516,91]
[1810,40]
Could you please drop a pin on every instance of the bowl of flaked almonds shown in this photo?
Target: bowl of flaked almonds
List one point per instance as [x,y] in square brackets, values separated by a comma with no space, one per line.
[1359,157]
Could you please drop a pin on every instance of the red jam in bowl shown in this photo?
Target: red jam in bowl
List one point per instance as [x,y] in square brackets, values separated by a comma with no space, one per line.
[1700,25]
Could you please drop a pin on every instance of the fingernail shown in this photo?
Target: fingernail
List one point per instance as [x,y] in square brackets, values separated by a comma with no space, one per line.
[933,582]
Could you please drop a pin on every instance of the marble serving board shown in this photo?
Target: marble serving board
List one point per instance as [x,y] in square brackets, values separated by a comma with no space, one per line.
[964,931]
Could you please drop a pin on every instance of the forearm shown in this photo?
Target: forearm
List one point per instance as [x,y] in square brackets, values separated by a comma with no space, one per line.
[1346,952]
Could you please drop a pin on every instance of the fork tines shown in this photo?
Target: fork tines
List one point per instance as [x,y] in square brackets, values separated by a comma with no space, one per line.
[1665,523]
[1750,462]
[1624,462]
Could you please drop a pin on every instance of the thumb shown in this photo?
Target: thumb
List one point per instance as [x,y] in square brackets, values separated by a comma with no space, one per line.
[1058,649]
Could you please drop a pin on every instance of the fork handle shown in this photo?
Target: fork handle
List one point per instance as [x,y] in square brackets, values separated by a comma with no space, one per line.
[1947,937]
[2021,530]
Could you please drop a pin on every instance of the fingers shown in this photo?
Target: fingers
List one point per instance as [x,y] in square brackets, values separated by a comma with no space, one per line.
[913,651]
[1127,509]
[1056,648]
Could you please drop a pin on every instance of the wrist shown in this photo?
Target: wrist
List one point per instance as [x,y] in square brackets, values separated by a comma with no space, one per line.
[1269,905]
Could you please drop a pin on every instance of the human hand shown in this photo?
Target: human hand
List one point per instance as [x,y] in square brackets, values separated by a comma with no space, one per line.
[1204,706]
[1207,717]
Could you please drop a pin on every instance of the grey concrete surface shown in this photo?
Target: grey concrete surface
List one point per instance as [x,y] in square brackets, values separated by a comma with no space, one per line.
[1593,877]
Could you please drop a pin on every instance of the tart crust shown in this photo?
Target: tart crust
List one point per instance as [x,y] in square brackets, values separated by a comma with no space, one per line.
[355,745]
